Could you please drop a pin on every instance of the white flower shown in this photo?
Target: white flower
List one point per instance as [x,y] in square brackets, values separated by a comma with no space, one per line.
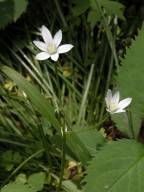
[51,47]
[114,105]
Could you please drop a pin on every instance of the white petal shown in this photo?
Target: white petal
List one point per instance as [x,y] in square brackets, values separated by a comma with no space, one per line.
[42,56]
[42,46]
[65,48]
[124,103]
[119,111]
[108,98]
[55,57]
[58,38]
[116,97]
[46,35]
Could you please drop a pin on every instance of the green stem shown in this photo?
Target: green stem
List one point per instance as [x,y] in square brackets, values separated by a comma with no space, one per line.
[106,88]
[45,145]
[57,80]
[130,122]
[21,165]
[63,136]
[85,95]
[108,33]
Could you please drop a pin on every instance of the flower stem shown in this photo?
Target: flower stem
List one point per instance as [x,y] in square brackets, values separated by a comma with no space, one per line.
[130,122]
[63,137]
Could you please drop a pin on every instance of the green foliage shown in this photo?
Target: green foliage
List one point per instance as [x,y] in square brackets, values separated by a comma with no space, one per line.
[111,8]
[80,6]
[32,92]
[34,183]
[130,82]
[117,167]
[19,8]
[70,187]
[11,10]
[6,12]
[10,159]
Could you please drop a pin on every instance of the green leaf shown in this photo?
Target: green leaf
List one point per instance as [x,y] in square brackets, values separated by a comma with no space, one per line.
[11,10]
[130,82]
[69,186]
[80,6]
[38,100]
[112,8]
[118,167]
[6,12]
[20,7]
[16,187]
[91,138]
[36,181]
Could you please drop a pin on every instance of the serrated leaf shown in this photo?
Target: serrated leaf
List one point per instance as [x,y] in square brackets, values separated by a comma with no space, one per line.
[19,8]
[92,139]
[130,82]
[118,167]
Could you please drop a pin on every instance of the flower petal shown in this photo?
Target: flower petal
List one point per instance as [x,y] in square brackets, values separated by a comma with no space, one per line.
[46,35]
[116,97]
[119,111]
[42,56]
[58,38]
[108,98]
[55,57]
[65,48]
[42,46]
[124,103]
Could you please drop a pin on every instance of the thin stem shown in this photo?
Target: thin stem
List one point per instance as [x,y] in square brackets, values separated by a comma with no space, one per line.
[63,136]
[45,145]
[57,79]
[41,77]
[130,123]
[107,86]
[21,165]
[108,33]
[84,99]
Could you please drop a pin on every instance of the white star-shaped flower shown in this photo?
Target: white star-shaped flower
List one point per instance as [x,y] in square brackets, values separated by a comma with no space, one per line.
[113,103]
[51,47]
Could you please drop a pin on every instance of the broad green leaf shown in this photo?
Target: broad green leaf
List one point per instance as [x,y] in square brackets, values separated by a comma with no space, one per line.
[91,138]
[130,83]
[36,181]
[6,12]
[38,100]
[19,8]
[118,167]
[77,147]
[11,10]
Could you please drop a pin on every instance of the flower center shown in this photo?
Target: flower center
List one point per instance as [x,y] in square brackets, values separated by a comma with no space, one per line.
[52,49]
[113,106]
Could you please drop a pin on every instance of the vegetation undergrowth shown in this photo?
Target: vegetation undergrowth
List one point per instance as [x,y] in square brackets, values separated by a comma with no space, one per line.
[62,128]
